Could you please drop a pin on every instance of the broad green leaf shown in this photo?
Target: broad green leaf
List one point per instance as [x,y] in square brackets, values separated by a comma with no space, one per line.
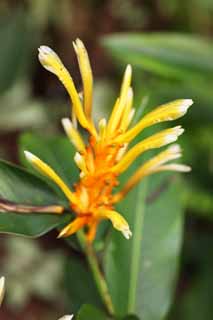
[79,284]
[141,272]
[168,54]
[90,312]
[20,186]
[57,151]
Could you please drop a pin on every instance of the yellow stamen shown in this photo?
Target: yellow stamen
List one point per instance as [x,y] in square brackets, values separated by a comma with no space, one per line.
[118,222]
[157,140]
[86,74]
[51,61]
[73,135]
[120,105]
[166,112]
[73,227]
[50,173]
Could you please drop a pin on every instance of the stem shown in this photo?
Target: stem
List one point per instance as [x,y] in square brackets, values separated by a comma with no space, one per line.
[97,274]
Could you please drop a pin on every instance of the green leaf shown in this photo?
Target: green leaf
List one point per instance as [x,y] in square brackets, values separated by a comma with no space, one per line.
[167,54]
[21,186]
[89,312]
[56,151]
[141,272]
[79,284]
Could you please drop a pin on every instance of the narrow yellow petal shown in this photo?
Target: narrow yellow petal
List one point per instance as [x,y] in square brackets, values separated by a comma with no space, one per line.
[73,135]
[167,112]
[127,114]
[118,222]
[121,103]
[121,152]
[73,227]
[157,140]
[86,74]
[173,167]
[102,128]
[2,289]
[149,167]
[171,153]
[79,160]
[51,61]
[45,169]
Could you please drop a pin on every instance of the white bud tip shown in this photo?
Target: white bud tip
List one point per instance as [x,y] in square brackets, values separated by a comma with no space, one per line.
[67,124]
[78,157]
[181,167]
[2,289]
[127,233]
[174,134]
[128,70]
[172,137]
[29,156]
[102,123]
[68,317]
[186,103]
[175,148]
[45,51]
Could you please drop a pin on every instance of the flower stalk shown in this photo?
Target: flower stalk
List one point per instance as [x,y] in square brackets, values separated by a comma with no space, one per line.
[96,271]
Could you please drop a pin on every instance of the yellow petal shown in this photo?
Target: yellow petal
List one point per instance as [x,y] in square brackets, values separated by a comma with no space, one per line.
[173,167]
[149,167]
[79,160]
[118,222]
[167,112]
[73,135]
[102,128]
[128,111]
[73,227]
[86,74]
[155,141]
[45,169]
[51,61]
[121,102]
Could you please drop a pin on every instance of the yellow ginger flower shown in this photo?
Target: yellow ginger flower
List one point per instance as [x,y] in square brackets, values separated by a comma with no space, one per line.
[106,154]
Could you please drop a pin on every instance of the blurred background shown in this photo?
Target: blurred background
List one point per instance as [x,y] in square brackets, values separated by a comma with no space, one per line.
[172,57]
